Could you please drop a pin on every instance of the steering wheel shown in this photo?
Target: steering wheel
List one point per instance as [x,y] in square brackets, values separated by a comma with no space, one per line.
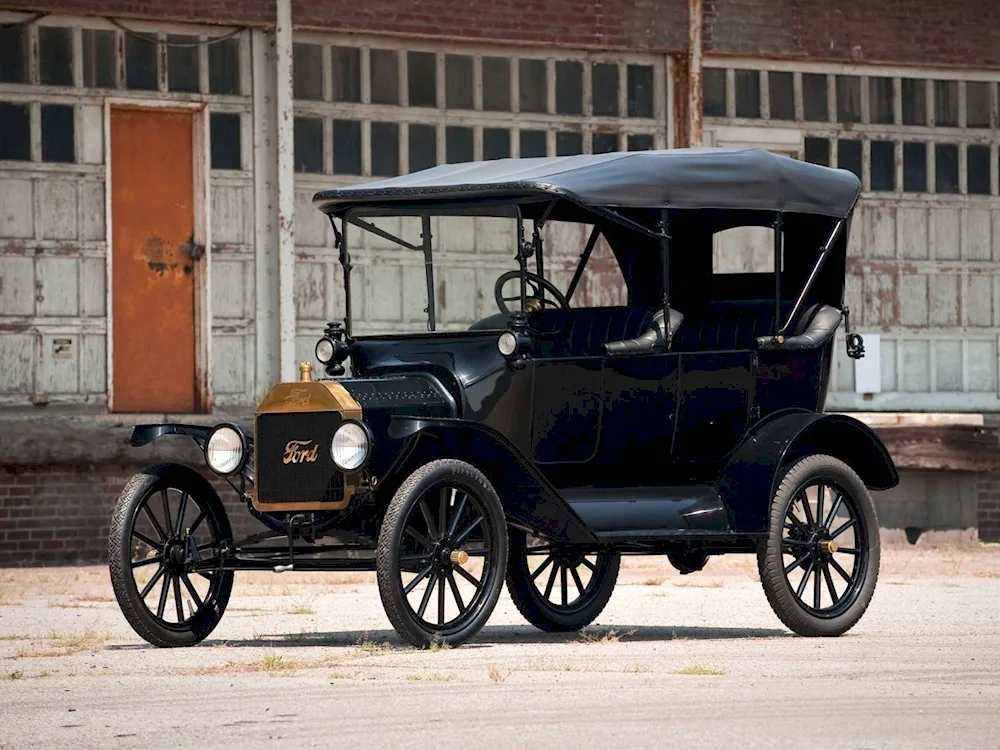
[532,280]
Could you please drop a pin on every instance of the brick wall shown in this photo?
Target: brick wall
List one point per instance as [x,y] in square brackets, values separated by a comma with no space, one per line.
[989,507]
[622,24]
[61,514]
[929,32]
[902,31]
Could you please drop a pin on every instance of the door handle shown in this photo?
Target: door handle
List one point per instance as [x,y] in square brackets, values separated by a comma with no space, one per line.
[193,250]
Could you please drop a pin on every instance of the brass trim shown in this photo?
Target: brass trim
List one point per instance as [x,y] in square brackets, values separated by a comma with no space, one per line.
[459,557]
[308,396]
[305,372]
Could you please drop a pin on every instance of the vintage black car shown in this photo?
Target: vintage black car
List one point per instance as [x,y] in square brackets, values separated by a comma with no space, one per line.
[547,440]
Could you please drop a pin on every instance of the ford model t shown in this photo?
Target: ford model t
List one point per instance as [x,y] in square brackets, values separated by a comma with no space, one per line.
[549,438]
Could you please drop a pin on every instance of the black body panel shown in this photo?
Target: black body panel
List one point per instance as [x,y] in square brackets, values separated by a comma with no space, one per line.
[622,512]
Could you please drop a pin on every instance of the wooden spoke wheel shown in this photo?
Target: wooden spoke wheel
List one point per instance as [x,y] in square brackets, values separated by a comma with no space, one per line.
[167,519]
[441,554]
[819,565]
[559,588]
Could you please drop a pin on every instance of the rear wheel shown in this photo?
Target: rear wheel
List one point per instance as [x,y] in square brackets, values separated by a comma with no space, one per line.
[166,519]
[441,554]
[558,588]
[819,564]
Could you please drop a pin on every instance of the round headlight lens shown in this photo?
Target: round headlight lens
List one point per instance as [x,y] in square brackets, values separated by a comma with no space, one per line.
[224,451]
[324,350]
[507,343]
[349,447]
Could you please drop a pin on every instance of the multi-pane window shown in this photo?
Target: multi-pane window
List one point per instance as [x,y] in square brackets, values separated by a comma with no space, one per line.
[69,63]
[898,134]
[392,109]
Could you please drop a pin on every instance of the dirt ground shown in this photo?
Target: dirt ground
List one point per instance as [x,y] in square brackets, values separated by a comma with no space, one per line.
[674,661]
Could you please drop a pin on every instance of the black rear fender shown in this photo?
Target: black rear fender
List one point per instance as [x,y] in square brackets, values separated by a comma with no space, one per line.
[750,479]
[529,500]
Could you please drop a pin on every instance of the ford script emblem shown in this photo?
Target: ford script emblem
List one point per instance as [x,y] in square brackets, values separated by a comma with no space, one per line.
[297,397]
[298,451]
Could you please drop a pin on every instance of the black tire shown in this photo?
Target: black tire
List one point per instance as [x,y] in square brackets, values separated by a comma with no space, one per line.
[410,542]
[144,518]
[535,605]
[801,542]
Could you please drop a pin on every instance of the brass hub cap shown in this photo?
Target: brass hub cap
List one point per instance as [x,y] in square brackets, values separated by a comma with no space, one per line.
[827,547]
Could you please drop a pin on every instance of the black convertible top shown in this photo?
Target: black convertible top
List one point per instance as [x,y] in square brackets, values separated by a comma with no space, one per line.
[741,179]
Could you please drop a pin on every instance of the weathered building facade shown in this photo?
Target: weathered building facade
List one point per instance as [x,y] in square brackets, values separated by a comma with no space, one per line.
[200,132]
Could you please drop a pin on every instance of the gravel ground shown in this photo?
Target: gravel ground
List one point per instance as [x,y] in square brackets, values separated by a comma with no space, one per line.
[688,661]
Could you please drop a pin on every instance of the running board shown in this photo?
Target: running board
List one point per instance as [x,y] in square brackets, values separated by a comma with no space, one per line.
[650,512]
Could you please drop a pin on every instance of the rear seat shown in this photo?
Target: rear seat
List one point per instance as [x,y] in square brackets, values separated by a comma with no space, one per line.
[583,331]
[736,324]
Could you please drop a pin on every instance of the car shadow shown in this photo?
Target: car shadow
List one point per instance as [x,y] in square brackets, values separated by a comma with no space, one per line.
[492,636]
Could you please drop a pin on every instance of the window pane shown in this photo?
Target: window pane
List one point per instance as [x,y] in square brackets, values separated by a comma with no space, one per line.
[225,141]
[140,64]
[421,67]
[307,71]
[99,59]
[346,74]
[817,151]
[814,104]
[713,84]
[915,167]
[880,101]
[14,54]
[15,132]
[533,143]
[224,67]
[346,147]
[423,147]
[182,64]
[914,94]
[533,88]
[496,84]
[946,103]
[640,90]
[849,156]
[883,173]
[55,56]
[57,133]
[384,77]
[458,81]
[385,149]
[458,144]
[640,142]
[946,168]
[569,143]
[747,93]
[309,144]
[604,143]
[569,87]
[848,99]
[977,105]
[496,143]
[604,85]
[781,95]
[979,170]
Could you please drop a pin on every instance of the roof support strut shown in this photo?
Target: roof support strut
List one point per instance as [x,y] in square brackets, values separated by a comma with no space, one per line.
[665,271]
[584,257]
[824,253]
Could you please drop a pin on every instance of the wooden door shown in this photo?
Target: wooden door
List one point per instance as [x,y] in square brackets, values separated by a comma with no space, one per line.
[153,338]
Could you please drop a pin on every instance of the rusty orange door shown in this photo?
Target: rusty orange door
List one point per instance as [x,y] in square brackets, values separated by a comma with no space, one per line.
[152,273]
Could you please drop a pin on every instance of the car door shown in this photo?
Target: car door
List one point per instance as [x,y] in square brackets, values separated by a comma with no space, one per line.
[567,401]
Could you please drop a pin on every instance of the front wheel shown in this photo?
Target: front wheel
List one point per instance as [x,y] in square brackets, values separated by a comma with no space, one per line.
[166,520]
[820,562]
[558,588]
[441,554]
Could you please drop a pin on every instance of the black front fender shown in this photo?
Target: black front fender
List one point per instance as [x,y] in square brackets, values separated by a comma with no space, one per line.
[528,498]
[144,434]
[750,479]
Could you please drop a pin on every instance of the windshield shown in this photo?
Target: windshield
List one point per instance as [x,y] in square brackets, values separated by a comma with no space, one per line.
[399,285]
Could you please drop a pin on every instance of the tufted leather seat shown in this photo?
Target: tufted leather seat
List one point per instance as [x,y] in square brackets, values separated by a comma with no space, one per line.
[582,332]
[735,324]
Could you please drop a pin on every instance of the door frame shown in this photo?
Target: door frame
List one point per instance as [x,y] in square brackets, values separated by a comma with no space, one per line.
[202,236]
